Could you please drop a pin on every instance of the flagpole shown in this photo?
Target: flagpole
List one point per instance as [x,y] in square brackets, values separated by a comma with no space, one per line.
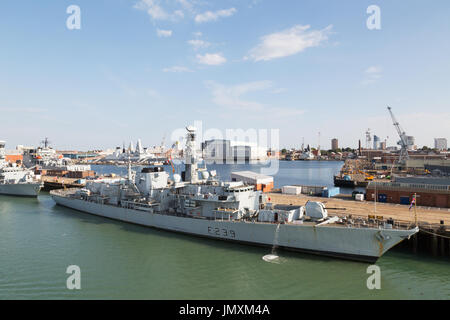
[375,198]
[415,208]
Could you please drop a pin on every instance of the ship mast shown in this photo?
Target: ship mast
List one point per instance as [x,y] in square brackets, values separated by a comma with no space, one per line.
[129,169]
[2,150]
[191,174]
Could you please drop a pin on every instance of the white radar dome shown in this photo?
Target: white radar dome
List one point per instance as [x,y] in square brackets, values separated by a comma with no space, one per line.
[205,174]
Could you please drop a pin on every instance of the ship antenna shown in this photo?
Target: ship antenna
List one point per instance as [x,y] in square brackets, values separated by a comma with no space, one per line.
[129,169]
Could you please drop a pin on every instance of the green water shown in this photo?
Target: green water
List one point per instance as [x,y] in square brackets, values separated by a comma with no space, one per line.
[38,240]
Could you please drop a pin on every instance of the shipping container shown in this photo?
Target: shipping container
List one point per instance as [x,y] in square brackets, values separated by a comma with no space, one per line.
[291,190]
[330,192]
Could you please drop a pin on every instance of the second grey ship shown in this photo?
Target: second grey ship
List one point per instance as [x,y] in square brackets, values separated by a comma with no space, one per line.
[16,180]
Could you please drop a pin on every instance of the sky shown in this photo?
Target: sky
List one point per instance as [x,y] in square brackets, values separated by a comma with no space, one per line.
[143,68]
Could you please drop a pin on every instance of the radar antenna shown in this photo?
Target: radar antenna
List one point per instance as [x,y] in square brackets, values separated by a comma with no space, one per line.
[45,142]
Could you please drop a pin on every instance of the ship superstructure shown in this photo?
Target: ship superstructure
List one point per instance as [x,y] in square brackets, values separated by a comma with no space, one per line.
[197,203]
[43,156]
[16,180]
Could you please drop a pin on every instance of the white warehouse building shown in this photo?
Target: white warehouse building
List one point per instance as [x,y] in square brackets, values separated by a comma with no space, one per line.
[226,151]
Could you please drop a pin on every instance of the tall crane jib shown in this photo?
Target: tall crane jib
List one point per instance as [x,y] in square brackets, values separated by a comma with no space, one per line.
[403,139]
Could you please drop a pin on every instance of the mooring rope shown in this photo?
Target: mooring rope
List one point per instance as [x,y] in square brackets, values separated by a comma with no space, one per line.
[435,234]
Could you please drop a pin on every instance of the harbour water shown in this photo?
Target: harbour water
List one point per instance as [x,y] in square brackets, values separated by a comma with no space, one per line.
[39,240]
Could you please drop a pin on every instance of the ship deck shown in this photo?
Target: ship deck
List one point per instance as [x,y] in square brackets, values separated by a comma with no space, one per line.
[354,221]
[426,216]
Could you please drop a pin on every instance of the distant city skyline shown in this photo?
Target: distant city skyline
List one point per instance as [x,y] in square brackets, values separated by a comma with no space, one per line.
[143,68]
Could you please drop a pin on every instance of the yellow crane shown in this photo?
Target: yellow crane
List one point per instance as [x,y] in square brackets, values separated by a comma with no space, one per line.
[368,176]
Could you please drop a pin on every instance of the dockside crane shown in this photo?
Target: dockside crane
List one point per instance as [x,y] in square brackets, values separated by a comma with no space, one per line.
[403,143]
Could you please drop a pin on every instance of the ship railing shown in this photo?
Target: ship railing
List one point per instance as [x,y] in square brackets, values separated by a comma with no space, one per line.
[378,222]
[67,191]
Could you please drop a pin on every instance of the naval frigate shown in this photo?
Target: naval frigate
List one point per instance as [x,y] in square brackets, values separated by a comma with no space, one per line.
[199,204]
[16,180]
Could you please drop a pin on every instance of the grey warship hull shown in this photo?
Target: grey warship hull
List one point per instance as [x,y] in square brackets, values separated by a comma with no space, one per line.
[21,189]
[360,244]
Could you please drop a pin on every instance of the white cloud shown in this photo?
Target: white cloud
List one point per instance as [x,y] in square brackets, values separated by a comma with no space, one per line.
[213,16]
[230,96]
[198,44]
[186,4]
[179,14]
[212,59]
[285,112]
[373,70]
[372,75]
[156,11]
[23,109]
[121,84]
[163,33]
[197,34]
[177,69]
[153,93]
[279,90]
[288,42]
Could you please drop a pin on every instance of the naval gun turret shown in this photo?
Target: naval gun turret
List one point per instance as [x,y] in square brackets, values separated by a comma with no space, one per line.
[316,210]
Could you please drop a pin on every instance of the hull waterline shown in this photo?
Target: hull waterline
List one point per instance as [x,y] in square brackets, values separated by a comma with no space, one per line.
[21,189]
[358,244]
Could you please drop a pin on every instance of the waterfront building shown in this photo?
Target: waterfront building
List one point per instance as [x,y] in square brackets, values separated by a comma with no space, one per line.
[217,150]
[376,142]
[440,144]
[221,150]
[137,153]
[431,192]
[411,143]
[259,181]
[334,144]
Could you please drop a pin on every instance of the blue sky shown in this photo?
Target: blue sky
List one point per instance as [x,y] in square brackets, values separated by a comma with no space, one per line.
[140,69]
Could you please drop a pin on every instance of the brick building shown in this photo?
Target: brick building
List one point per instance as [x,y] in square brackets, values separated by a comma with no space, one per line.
[429,193]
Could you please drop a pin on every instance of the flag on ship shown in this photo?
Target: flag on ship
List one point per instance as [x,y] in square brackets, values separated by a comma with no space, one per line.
[413,201]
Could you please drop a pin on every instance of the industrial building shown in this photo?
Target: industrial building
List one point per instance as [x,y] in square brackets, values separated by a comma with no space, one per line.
[138,153]
[440,144]
[223,151]
[334,144]
[13,156]
[217,150]
[261,182]
[376,142]
[431,192]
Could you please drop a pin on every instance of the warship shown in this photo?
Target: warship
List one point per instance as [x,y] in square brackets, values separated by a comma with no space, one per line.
[16,180]
[199,204]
